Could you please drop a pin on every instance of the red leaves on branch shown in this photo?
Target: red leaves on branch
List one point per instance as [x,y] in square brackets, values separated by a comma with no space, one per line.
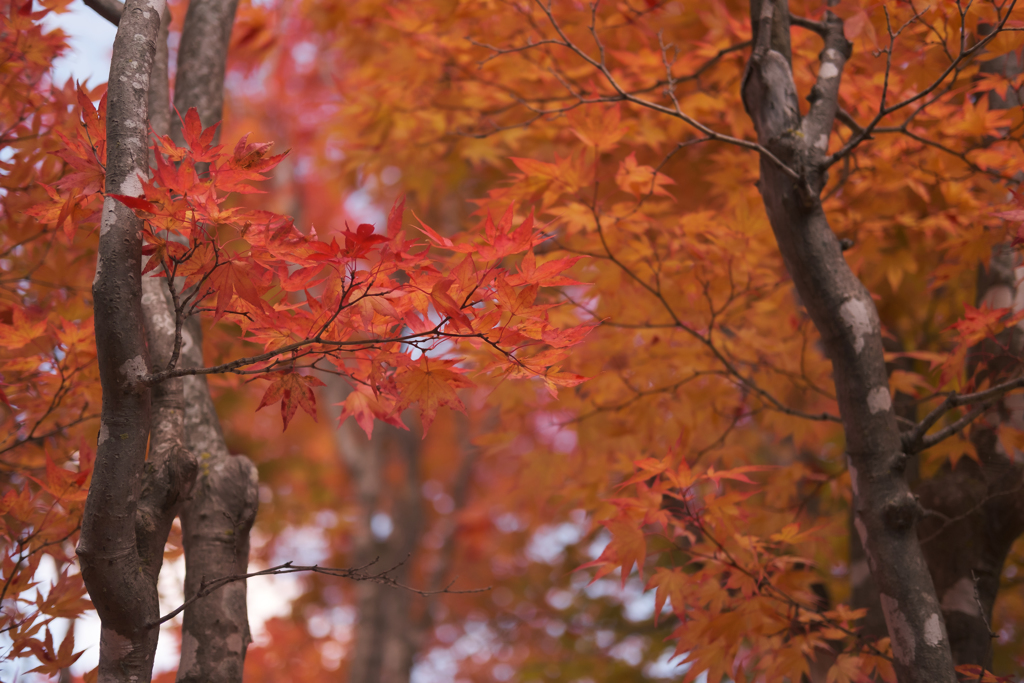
[432,384]
[403,320]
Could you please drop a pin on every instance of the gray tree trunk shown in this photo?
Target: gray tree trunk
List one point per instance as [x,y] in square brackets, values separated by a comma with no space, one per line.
[975,511]
[134,498]
[131,503]
[980,505]
[841,308]
[387,634]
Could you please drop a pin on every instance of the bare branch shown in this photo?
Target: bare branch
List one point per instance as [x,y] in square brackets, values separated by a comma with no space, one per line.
[809,24]
[915,440]
[949,521]
[110,10]
[355,574]
[952,429]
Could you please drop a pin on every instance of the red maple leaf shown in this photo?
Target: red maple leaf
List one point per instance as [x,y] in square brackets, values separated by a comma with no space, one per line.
[293,391]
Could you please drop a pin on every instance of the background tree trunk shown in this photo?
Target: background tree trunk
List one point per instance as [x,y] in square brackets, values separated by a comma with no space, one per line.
[979,505]
[384,471]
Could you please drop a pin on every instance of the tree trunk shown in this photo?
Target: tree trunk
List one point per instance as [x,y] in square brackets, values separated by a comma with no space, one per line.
[117,548]
[219,514]
[976,510]
[217,520]
[384,471]
[978,507]
[845,316]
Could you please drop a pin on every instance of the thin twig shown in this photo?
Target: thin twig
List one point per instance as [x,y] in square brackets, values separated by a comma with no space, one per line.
[355,574]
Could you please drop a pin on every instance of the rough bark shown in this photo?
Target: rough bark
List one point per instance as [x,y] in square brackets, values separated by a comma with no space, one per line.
[217,520]
[159,85]
[215,531]
[170,468]
[864,590]
[386,632]
[978,507]
[847,320]
[119,577]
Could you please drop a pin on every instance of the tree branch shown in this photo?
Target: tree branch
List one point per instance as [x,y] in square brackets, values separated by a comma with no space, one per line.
[915,440]
[122,590]
[355,574]
[110,10]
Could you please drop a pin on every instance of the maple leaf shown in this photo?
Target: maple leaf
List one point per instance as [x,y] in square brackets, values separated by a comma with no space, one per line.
[137,204]
[395,218]
[554,378]
[64,485]
[360,242]
[22,332]
[94,119]
[166,149]
[449,307]
[250,155]
[546,275]
[847,669]
[627,547]
[53,661]
[982,323]
[649,468]
[974,672]
[66,598]
[735,473]
[293,391]
[437,239]
[80,155]
[502,239]
[198,140]
[640,180]
[234,278]
[432,383]
[672,584]
[365,407]
[597,128]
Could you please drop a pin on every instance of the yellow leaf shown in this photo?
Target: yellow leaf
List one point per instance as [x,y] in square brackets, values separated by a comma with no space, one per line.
[847,669]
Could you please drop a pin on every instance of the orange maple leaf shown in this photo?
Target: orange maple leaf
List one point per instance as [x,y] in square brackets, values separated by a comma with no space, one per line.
[973,672]
[598,128]
[628,546]
[640,180]
[671,585]
[432,383]
[365,408]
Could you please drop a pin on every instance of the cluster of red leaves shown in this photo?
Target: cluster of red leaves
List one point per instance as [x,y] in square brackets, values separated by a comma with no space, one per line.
[406,322]
[396,317]
[48,387]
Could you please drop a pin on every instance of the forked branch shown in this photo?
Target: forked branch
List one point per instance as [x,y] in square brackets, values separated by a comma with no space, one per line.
[917,439]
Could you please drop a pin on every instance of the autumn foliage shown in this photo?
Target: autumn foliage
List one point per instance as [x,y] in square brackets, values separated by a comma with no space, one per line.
[576,260]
